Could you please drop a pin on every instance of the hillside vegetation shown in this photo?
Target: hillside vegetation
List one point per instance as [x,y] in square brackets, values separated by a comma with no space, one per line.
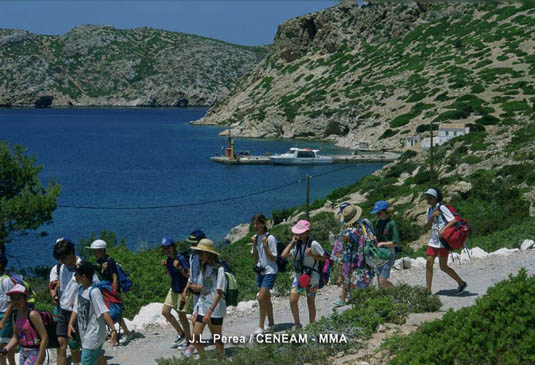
[103,66]
[384,71]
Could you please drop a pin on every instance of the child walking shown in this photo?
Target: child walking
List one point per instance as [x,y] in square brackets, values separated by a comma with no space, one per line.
[439,218]
[29,331]
[212,306]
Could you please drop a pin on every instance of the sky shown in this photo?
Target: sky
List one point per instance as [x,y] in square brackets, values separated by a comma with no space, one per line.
[251,22]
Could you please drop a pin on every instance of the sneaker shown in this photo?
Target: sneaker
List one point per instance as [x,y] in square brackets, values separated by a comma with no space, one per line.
[339,303]
[190,351]
[184,345]
[461,288]
[269,328]
[179,339]
[258,331]
[125,339]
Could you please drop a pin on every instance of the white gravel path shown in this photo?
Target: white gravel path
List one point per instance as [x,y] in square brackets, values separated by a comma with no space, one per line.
[480,274]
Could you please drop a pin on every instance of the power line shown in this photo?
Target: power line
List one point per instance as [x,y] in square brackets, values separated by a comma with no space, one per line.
[202,202]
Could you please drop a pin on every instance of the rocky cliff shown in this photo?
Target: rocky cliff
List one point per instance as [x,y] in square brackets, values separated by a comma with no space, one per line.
[384,71]
[104,66]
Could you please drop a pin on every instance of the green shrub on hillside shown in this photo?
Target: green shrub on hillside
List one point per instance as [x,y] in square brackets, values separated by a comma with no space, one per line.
[498,329]
[370,308]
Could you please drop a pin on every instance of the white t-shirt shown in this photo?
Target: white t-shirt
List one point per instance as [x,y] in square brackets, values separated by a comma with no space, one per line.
[54,273]
[68,286]
[91,323]
[263,259]
[298,251]
[438,224]
[212,280]
[5,286]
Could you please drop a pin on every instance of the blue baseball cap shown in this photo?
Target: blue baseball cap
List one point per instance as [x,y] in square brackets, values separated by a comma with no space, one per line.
[166,242]
[195,237]
[380,205]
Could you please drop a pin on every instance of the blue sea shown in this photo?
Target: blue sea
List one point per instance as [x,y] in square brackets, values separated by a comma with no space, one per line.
[153,157]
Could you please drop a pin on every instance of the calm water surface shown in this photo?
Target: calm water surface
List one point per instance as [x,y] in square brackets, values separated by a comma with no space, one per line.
[145,157]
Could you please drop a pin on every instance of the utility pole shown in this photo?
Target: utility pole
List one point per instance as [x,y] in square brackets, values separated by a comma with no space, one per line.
[307,196]
[432,171]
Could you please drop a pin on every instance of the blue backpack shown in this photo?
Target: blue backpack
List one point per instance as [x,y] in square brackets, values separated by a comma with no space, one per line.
[124,281]
[111,298]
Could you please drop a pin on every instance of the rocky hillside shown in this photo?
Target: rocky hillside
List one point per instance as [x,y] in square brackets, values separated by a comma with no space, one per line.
[104,66]
[384,71]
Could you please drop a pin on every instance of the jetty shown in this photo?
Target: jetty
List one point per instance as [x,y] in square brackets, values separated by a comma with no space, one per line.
[230,157]
[382,157]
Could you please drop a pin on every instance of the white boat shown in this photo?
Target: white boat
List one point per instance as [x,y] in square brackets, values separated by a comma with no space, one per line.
[300,156]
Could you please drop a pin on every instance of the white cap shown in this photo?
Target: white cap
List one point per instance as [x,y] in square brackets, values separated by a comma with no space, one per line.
[98,245]
[432,192]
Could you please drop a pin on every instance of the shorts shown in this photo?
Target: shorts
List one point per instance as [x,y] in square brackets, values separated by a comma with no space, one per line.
[383,271]
[173,300]
[7,331]
[63,325]
[265,281]
[309,291]
[28,355]
[215,321]
[90,356]
[434,251]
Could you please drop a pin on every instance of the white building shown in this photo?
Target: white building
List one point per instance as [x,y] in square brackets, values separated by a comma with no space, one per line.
[412,141]
[451,130]
[426,143]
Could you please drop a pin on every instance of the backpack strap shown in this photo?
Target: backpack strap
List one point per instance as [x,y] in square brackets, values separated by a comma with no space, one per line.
[32,324]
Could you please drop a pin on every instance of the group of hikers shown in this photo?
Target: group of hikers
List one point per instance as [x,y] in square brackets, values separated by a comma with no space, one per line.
[84,320]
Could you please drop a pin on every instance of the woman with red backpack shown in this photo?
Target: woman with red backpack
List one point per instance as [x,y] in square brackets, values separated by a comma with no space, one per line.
[439,218]
[28,330]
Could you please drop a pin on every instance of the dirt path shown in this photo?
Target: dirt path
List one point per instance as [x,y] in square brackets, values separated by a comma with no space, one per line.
[480,274]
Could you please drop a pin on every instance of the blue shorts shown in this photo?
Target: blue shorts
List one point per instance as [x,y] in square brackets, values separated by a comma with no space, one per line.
[90,356]
[265,281]
[383,271]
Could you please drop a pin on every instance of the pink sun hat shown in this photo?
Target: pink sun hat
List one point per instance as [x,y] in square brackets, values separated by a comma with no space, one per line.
[301,227]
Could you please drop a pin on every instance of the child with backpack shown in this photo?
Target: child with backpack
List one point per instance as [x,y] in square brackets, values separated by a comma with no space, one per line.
[29,330]
[177,266]
[6,324]
[212,306]
[108,271]
[194,284]
[92,315]
[350,247]
[265,256]
[387,234]
[67,290]
[439,218]
[307,255]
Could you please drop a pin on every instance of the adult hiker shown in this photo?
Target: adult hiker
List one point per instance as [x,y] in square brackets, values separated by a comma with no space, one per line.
[212,306]
[108,271]
[439,218]
[91,314]
[68,290]
[265,255]
[194,284]
[177,266]
[28,331]
[307,254]
[387,233]
[6,324]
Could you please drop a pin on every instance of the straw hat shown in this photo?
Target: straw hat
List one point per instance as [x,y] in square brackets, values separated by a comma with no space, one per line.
[206,245]
[351,214]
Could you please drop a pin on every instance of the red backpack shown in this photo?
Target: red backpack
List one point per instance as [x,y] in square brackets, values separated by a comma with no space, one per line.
[456,235]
